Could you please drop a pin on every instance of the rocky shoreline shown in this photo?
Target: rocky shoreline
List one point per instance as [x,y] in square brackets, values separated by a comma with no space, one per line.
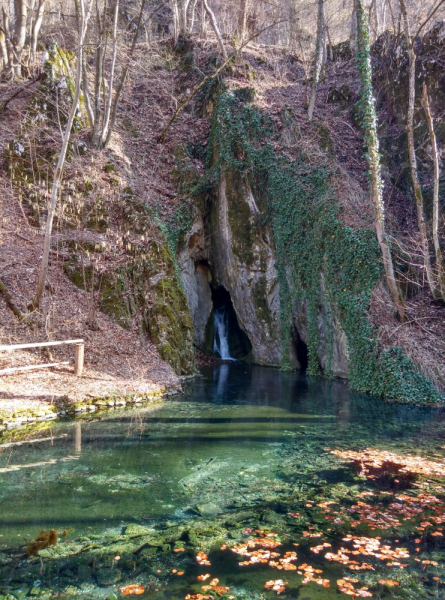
[23,421]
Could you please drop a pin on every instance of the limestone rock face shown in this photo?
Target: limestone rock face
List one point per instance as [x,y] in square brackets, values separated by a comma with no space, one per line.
[195,278]
[244,264]
[227,248]
[333,354]
[230,247]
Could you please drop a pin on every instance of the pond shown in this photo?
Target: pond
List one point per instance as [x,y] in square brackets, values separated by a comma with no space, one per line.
[253,484]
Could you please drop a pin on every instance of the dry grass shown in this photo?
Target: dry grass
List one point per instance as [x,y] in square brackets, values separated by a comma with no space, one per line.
[422,336]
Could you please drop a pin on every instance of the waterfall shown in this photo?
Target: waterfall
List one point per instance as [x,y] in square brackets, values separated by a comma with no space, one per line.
[220,336]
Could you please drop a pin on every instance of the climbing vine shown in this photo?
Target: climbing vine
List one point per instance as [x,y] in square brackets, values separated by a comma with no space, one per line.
[319,258]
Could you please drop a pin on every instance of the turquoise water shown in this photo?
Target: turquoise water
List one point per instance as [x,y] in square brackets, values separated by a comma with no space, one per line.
[241,468]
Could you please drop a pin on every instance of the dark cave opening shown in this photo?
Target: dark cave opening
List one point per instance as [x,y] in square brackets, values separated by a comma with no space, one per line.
[229,340]
[301,352]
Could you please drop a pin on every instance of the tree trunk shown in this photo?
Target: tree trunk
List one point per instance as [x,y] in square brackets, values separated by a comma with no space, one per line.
[331,48]
[412,153]
[175,10]
[215,28]
[21,14]
[8,42]
[110,87]
[242,21]
[3,51]
[36,29]
[192,16]
[319,53]
[120,87]
[371,139]
[353,34]
[202,20]
[99,72]
[182,6]
[437,249]
[58,174]
[11,304]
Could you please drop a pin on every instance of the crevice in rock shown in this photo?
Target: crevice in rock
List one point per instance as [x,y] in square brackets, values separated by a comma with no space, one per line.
[301,352]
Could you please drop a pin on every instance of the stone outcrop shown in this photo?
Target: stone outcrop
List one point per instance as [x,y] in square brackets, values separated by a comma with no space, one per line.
[229,247]
[196,278]
[244,265]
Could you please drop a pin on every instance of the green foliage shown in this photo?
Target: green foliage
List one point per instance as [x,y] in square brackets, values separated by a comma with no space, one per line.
[312,244]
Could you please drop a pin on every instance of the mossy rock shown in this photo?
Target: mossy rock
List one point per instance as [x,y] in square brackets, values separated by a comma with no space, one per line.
[246,94]
[342,95]
[342,51]
[146,285]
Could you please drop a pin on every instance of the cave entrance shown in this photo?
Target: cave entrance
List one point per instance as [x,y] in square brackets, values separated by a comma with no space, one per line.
[229,340]
[301,352]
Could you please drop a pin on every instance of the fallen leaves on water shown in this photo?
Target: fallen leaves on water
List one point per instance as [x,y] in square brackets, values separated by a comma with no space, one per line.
[388,582]
[374,460]
[277,585]
[310,575]
[132,590]
[313,534]
[203,559]
[214,587]
[364,546]
[196,597]
[204,577]
[320,547]
[45,539]
[345,586]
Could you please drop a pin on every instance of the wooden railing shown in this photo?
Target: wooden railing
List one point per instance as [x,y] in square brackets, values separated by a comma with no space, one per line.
[78,359]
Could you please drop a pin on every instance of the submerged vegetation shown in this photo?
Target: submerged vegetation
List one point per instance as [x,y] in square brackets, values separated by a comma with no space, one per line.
[321,492]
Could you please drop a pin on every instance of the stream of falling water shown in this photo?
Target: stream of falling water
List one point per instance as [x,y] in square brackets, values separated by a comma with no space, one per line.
[221,338]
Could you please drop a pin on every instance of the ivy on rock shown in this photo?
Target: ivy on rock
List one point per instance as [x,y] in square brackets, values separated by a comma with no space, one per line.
[312,244]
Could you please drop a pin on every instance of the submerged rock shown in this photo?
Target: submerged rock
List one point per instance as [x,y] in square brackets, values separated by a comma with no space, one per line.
[107,577]
[208,510]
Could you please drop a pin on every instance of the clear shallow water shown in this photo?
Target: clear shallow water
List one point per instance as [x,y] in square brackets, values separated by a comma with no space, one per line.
[241,456]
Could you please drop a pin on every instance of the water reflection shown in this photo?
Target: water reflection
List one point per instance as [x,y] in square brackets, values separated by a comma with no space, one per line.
[244,448]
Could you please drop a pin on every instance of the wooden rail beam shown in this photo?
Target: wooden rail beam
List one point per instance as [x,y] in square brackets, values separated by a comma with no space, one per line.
[32,367]
[78,360]
[39,345]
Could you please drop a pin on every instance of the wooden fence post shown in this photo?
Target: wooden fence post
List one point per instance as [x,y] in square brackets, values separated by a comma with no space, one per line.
[78,360]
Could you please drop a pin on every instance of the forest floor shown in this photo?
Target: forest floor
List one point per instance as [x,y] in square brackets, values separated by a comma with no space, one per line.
[117,360]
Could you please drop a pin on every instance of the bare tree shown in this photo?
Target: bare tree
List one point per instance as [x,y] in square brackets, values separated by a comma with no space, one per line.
[15,33]
[242,20]
[353,33]
[106,122]
[215,28]
[437,249]
[371,138]
[21,15]
[35,30]
[102,103]
[412,152]
[319,53]
[84,15]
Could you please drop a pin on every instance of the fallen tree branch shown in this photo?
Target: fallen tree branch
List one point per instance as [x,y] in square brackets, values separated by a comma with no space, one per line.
[11,304]
[21,89]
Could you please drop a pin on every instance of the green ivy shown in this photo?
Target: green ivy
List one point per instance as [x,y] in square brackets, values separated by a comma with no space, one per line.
[312,243]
